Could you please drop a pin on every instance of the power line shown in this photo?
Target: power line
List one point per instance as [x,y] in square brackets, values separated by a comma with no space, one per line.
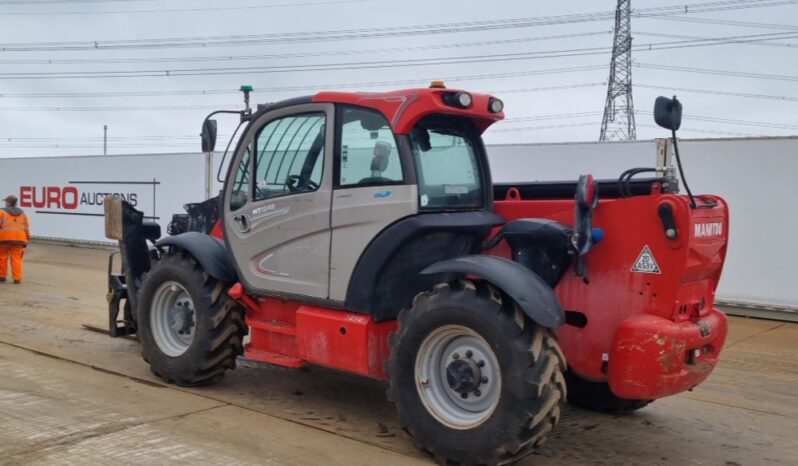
[708,131]
[576,125]
[283,69]
[184,10]
[380,32]
[212,107]
[298,55]
[550,117]
[412,82]
[761,124]
[717,92]
[375,64]
[764,41]
[740,74]
[317,87]
[756,39]
[54,2]
[726,22]
[714,6]
[294,37]
[533,128]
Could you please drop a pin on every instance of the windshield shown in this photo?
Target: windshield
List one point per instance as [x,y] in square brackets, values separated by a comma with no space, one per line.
[445,152]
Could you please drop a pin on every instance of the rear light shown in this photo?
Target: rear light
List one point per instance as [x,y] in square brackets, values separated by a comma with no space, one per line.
[457,99]
[495,105]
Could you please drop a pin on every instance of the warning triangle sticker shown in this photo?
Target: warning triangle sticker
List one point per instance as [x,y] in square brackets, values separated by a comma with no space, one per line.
[645,262]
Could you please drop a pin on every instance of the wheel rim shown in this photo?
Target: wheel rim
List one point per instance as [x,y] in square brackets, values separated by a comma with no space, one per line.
[172,318]
[458,377]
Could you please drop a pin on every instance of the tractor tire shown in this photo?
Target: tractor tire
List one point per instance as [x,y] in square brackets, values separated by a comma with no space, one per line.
[191,331]
[474,381]
[597,396]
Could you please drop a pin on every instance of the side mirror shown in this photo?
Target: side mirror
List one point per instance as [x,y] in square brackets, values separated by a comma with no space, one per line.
[668,113]
[208,135]
[421,137]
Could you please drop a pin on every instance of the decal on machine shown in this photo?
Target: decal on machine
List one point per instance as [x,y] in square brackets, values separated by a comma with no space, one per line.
[268,211]
[262,267]
[645,262]
[706,230]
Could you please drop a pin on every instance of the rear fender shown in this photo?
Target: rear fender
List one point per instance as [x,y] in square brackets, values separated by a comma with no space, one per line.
[535,298]
[208,250]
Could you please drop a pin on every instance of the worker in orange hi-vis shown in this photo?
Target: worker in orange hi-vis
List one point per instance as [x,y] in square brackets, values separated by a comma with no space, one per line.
[14,237]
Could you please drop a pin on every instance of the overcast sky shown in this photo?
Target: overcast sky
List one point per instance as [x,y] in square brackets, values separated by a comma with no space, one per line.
[508,52]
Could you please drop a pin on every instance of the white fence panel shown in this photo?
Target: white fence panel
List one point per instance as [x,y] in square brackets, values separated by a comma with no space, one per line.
[64,195]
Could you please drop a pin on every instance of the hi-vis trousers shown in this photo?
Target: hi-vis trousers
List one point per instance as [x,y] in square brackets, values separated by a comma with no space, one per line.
[15,253]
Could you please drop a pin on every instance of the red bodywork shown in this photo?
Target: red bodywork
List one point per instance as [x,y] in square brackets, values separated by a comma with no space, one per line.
[404,108]
[290,334]
[648,335]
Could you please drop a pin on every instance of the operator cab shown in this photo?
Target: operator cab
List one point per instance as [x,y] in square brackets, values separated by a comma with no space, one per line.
[344,198]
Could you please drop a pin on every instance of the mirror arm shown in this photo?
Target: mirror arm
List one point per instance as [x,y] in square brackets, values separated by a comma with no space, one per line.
[235,112]
[681,171]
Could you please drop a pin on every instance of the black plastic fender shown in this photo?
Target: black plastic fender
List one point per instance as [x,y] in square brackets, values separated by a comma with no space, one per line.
[532,294]
[208,250]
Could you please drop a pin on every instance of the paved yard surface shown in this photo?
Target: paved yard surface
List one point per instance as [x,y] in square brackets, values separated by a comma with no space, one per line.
[71,396]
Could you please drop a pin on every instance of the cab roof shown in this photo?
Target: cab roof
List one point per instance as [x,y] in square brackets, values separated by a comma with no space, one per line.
[404,108]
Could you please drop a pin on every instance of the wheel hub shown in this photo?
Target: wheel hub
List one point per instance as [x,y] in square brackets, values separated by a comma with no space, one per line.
[458,376]
[181,316]
[463,375]
[172,318]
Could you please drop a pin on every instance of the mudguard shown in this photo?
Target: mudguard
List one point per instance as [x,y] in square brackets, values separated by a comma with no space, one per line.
[532,294]
[209,251]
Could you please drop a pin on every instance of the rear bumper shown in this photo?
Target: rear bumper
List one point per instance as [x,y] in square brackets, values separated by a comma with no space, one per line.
[653,357]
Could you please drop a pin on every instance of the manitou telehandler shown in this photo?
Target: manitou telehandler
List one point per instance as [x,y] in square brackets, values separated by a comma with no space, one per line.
[362,232]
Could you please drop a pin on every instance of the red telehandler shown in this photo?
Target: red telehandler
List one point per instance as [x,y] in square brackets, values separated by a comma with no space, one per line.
[362,232]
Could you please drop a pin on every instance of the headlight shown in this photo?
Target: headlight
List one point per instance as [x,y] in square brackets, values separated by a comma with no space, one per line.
[495,105]
[457,99]
[464,99]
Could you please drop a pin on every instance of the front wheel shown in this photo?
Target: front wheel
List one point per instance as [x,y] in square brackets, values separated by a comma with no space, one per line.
[473,379]
[191,331]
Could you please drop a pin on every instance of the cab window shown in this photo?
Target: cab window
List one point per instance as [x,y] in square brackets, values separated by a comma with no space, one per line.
[367,153]
[290,155]
[445,151]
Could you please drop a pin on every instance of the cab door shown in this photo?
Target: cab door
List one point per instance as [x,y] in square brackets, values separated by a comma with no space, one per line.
[374,187]
[277,201]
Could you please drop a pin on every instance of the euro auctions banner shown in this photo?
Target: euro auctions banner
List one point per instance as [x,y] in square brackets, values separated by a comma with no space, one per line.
[63,196]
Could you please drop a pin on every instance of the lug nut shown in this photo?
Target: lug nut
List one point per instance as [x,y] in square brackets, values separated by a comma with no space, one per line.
[464,395]
[484,379]
[480,363]
[477,392]
[469,353]
[456,356]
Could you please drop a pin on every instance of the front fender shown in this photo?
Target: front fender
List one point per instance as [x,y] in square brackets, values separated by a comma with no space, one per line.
[209,251]
[532,294]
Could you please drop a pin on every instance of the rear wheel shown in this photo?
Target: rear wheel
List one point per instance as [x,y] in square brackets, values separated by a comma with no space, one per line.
[597,396]
[473,379]
[191,331]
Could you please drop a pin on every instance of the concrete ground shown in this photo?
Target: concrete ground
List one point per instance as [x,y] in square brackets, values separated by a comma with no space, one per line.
[71,396]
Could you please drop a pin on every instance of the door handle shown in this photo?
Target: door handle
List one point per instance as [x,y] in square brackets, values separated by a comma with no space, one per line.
[243,223]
